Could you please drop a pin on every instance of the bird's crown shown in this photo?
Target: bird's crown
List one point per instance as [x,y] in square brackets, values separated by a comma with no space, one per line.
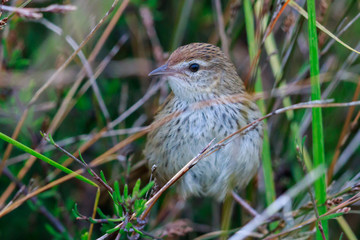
[201,51]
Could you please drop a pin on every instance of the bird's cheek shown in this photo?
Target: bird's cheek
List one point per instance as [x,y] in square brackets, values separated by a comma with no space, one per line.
[176,83]
[180,78]
[176,79]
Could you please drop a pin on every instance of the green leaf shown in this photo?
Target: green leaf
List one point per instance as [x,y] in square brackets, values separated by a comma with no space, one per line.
[112,230]
[101,214]
[146,189]
[16,60]
[51,139]
[55,234]
[83,161]
[126,192]
[85,236]
[138,231]
[116,193]
[32,206]
[128,226]
[117,210]
[92,220]
[136,204]
[75,211]
[116,219]
[136,189]
[341,236]
[331,216]
[102,176]
[140,207]
[317,121]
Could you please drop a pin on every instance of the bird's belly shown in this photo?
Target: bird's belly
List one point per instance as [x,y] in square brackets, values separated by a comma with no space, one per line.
[185,140]
[174,144]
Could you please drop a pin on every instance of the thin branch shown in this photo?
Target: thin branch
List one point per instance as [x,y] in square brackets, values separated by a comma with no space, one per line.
[221,27]
[23,117]
[332,41]
[341,206]
[42,209]
[82,163]
[117,121]
[73,55]
[138,104]
[300,159]
[86,65]
[279,203]
[148,22]
[244,204]
[344,133]
[35,13]
[273,208]
[174,179]
[64,106]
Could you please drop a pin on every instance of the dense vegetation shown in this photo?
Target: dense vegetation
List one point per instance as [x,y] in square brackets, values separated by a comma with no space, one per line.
[72,75]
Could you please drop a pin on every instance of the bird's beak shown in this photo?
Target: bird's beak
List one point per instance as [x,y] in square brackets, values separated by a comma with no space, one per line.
[163,70]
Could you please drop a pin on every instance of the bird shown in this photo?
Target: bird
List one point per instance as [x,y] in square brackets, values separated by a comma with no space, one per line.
[201,73]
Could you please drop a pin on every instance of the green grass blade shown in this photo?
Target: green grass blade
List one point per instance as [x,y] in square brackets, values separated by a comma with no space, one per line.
[321,27]
[317,127]
[346,228]
[45,159]
[266,155]
[181,25]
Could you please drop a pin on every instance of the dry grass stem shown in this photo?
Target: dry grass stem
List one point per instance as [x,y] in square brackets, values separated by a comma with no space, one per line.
[148,22]
[279,203]
[344,134]
[82,77]
[221,27]
[35,13]
[273,208]
[8,150]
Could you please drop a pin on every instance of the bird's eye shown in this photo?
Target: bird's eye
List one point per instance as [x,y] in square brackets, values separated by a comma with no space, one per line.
[194,67]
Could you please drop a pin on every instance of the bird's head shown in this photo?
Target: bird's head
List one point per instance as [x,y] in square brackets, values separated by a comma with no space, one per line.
[199,71]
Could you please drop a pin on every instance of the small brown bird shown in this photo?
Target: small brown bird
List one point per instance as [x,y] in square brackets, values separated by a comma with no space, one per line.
[201,72]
